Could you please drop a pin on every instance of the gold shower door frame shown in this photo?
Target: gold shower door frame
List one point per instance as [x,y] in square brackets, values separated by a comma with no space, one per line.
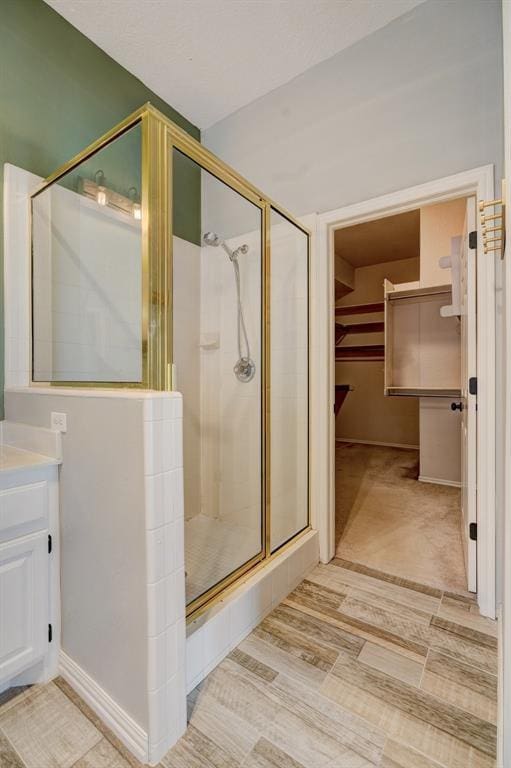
[160,136]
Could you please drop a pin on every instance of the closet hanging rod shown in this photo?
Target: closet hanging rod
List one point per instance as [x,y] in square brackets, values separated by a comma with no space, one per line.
[422,392]
[410,295]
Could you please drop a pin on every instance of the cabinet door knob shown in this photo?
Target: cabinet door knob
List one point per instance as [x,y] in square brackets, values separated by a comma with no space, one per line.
[456,406]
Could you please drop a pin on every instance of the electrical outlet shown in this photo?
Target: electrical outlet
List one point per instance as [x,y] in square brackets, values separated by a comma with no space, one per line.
[59,421]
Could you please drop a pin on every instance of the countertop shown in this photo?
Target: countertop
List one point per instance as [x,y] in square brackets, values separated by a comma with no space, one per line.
[16,459]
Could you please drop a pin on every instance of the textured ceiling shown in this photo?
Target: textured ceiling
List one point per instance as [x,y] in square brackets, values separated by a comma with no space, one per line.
[376,242]
[208,58]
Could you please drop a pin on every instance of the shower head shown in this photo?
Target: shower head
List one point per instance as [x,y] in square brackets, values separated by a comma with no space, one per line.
[211,238]
[214,240]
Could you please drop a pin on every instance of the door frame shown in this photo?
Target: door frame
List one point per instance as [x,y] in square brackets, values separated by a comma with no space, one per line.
[480,183]
[504,694]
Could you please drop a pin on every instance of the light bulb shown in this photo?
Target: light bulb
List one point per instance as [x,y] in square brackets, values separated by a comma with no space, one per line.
[101,198]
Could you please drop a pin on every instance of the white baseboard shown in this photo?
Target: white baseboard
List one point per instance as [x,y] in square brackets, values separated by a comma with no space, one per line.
[375,442]
[437,481]
[124,727]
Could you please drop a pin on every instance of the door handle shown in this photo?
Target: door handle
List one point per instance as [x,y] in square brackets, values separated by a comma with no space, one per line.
[456,406]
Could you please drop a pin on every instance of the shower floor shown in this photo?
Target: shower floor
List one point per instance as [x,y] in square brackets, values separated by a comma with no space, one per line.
[213,549]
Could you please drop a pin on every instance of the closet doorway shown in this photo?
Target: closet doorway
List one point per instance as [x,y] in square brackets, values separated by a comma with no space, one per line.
[405,418]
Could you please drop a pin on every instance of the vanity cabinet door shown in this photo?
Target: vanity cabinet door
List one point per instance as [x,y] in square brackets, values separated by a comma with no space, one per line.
[23,603]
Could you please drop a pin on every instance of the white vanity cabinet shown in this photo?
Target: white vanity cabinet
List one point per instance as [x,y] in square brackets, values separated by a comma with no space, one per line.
[29,569]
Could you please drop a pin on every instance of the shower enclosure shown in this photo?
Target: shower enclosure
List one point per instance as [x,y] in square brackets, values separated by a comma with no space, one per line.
[155,265]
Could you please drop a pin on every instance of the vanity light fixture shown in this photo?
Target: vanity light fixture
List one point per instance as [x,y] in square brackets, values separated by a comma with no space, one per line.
[97,190]
[101,194]
[135,208]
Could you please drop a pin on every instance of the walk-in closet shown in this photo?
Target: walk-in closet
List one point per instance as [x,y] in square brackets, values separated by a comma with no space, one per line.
[404,333]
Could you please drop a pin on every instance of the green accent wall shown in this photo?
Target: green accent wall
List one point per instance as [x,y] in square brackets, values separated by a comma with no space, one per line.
[58,93]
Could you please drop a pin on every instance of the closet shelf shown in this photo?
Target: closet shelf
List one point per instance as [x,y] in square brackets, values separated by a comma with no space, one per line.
[341,393]
[417,293]
[341,289]
[359,309]
[423,392]
[363,352]
[360,328]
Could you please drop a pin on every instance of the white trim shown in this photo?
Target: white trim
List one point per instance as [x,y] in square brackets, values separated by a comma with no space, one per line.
[376,442]
[504,698]
[478,182]
[322,395]
[438,481]
[318,353]
[119,722]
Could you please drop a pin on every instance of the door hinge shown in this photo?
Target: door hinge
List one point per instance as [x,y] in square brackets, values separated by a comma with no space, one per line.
[50,633]
[472,385]
[472,239]
[472,531]
[50,543]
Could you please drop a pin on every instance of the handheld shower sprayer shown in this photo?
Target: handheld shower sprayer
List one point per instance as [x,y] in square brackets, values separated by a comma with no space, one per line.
[245,367]
[211,238]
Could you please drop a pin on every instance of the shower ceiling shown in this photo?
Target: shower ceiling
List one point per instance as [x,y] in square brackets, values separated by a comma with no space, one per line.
[209,58]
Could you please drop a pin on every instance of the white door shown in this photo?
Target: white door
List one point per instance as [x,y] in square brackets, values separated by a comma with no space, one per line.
[23,603]
[468,396]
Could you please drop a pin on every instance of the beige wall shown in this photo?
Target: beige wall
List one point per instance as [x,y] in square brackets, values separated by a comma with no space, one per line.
[366,413]
[369,280]
[102,537]
[344,272]
[438,224]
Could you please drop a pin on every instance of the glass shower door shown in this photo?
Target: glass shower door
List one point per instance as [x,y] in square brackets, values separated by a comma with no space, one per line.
[217,358]
[289,365]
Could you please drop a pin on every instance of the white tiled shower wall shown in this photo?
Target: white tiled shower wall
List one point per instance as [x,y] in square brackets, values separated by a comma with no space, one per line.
[77,336]
[87,321]
[230,409]
[186,354]
[222,430]
[18,184]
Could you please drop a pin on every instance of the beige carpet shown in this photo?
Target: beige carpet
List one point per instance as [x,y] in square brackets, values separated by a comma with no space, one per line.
[388,520]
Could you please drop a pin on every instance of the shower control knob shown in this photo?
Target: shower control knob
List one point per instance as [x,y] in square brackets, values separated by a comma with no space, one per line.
[456,406]
[245,369]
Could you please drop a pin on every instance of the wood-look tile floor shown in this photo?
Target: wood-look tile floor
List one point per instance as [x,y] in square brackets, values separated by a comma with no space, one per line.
[354,669]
